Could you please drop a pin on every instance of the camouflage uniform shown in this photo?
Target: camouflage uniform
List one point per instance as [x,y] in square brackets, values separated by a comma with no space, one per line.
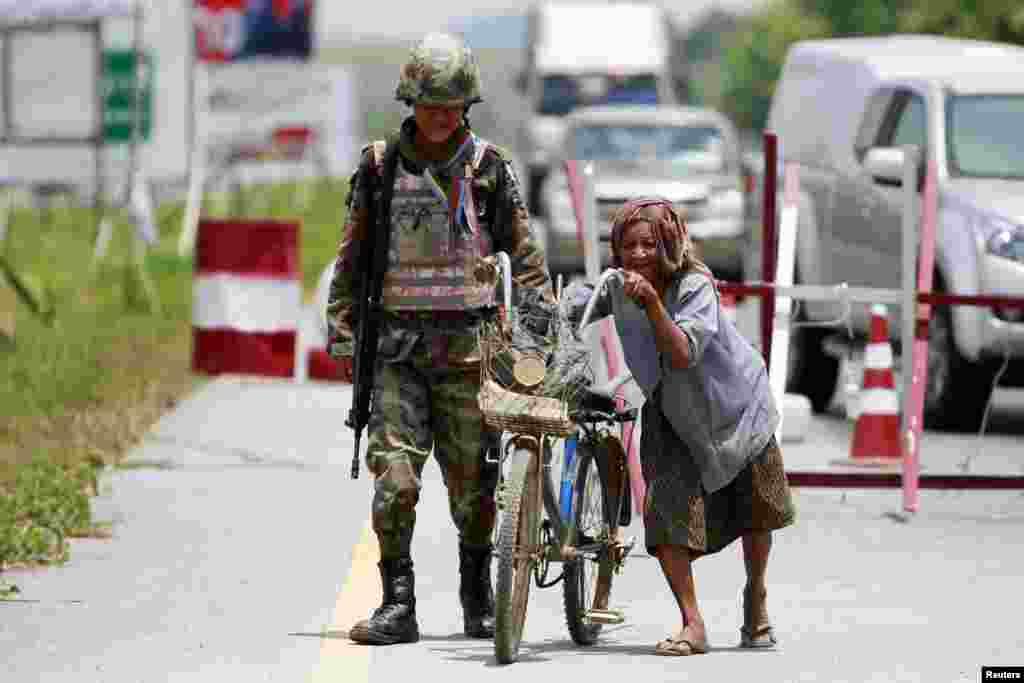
[428,375]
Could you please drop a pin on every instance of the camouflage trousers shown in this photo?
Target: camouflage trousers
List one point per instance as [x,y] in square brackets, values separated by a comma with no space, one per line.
[421,407]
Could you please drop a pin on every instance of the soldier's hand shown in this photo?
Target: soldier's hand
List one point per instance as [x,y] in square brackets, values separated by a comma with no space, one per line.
[345,369]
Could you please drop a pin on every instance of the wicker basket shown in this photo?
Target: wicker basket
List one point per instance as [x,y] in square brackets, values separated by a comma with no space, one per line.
[523,413]
[532,371]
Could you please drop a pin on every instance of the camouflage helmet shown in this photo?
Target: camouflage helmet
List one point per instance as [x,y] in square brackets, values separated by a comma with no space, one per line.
[440,69]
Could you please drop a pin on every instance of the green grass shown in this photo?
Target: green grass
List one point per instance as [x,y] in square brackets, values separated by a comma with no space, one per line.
[93,362]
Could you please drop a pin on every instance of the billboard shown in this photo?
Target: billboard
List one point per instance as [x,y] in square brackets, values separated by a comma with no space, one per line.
[231,30]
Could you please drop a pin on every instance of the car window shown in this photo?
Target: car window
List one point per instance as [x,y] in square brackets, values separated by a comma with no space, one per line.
[874,114]
[560,94]
[984,135]
[697,148]
[910,125]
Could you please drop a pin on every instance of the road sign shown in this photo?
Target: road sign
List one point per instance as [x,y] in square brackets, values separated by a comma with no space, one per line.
[119,97]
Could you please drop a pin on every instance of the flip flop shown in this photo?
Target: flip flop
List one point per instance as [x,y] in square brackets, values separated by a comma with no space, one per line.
[758,638]
[755,637]
[679,647]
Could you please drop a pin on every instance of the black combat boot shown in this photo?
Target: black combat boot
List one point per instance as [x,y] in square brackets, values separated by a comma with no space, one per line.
[395,620]
[475,591]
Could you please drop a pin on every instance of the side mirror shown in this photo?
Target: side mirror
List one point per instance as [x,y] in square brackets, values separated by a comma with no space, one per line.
[885,165]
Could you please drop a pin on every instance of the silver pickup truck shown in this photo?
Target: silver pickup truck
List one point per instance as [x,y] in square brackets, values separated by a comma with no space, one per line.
[842,110]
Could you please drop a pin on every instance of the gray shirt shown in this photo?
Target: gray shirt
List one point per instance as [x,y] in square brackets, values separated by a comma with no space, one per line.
[721,406]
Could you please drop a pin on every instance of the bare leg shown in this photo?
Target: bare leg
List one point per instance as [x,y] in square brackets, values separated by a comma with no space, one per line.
[756,547]
[757,626]
[676,565]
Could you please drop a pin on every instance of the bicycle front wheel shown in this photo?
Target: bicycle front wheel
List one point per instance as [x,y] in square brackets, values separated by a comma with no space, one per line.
[597,499]
[518,552]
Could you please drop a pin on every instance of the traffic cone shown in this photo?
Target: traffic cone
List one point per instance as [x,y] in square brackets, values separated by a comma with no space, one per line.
[876,435]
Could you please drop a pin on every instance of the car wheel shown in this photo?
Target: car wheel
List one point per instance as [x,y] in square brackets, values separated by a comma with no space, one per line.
[810,370]
[957,390]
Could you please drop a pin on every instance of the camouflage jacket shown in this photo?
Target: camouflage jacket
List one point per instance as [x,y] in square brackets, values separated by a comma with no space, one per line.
[498,195]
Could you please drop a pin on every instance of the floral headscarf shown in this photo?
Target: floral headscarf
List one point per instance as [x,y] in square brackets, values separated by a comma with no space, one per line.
[675,248]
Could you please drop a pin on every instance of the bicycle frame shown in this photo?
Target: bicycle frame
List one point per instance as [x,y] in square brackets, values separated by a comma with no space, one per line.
[534,532]
[590,426]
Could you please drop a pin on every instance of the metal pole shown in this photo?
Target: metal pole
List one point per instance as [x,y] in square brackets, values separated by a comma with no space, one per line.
[138,66]
[5,36]
[909,305]
[779,352]
[99,168]
[768,219]
[591,240]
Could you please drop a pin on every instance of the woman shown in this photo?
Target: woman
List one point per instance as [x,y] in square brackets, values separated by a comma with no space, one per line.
[712,467]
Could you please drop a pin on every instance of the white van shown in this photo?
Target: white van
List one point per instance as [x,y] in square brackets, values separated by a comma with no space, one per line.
[843,109]
[588,54]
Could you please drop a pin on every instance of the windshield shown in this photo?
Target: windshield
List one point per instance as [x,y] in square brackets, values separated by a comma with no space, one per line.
[561,94]
[984,136]
[692,148]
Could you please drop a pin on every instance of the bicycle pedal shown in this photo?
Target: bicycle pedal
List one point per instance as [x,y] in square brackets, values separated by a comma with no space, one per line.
[605,616]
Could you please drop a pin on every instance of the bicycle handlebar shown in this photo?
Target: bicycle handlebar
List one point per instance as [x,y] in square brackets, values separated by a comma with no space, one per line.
[607,276]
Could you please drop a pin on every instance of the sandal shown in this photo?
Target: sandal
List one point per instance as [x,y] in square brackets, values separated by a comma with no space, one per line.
[678,646]
[756,636]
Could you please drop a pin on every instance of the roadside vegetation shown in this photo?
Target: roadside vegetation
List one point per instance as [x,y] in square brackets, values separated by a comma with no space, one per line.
[94,350]
[735,61]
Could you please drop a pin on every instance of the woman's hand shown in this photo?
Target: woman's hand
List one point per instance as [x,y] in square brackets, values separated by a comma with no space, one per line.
[639,289]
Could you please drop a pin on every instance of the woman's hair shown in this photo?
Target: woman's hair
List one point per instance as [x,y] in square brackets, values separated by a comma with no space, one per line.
[675,248]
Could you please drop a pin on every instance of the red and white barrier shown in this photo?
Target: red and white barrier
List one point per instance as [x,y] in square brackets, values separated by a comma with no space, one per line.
[246,297]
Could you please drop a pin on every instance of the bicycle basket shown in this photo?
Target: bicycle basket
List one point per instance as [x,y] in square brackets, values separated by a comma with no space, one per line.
[533,370]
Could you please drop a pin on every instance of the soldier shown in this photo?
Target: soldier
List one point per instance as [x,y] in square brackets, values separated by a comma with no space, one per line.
[455,199]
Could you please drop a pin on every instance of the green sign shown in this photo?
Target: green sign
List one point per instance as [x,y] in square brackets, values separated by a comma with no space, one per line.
[119,96]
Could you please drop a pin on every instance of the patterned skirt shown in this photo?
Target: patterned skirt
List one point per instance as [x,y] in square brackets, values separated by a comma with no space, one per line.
[677,509]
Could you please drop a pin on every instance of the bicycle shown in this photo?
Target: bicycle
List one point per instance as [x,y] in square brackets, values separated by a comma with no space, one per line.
[582,530]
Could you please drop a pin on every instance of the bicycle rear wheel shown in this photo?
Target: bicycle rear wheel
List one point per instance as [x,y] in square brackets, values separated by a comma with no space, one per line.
[597,501]
[518,548]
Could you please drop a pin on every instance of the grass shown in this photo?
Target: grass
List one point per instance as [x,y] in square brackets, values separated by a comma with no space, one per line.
[94,362]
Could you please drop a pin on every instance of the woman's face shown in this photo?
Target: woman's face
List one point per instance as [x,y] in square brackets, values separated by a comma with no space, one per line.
[639,251]
[437,122]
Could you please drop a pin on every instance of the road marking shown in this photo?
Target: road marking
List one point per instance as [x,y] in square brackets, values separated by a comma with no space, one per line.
[340,658]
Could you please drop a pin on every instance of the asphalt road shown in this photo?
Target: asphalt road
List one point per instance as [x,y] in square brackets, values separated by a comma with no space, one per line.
[241,551]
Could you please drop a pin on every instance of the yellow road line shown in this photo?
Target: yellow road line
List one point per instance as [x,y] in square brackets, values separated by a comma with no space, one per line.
[340,658]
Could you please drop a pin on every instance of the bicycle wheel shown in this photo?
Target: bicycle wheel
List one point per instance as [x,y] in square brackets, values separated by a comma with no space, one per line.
[597,499]
[518,546]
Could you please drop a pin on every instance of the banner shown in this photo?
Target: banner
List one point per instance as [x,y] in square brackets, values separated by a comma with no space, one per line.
[231,30]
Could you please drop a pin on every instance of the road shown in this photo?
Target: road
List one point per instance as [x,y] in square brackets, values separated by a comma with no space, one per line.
[240,550]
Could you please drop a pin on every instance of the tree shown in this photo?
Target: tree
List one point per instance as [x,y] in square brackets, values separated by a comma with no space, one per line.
[753,61]
[1001,21]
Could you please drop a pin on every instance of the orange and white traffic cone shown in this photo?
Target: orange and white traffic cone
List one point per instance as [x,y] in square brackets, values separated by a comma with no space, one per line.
[876,435]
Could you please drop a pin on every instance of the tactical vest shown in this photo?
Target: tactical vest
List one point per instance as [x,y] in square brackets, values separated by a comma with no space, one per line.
[432,265]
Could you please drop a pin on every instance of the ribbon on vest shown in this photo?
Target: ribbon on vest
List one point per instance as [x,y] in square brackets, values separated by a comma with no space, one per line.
[459,200]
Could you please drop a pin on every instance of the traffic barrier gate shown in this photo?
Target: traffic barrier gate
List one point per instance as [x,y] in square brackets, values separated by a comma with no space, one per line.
[915,295]
[246,297]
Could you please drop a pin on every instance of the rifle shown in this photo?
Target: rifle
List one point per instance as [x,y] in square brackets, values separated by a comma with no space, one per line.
[373,261]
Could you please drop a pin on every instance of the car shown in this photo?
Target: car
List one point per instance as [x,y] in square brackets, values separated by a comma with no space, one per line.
[688,155]
[627,54]
[843,110]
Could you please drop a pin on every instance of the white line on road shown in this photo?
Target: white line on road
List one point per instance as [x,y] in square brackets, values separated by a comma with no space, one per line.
[340,658]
